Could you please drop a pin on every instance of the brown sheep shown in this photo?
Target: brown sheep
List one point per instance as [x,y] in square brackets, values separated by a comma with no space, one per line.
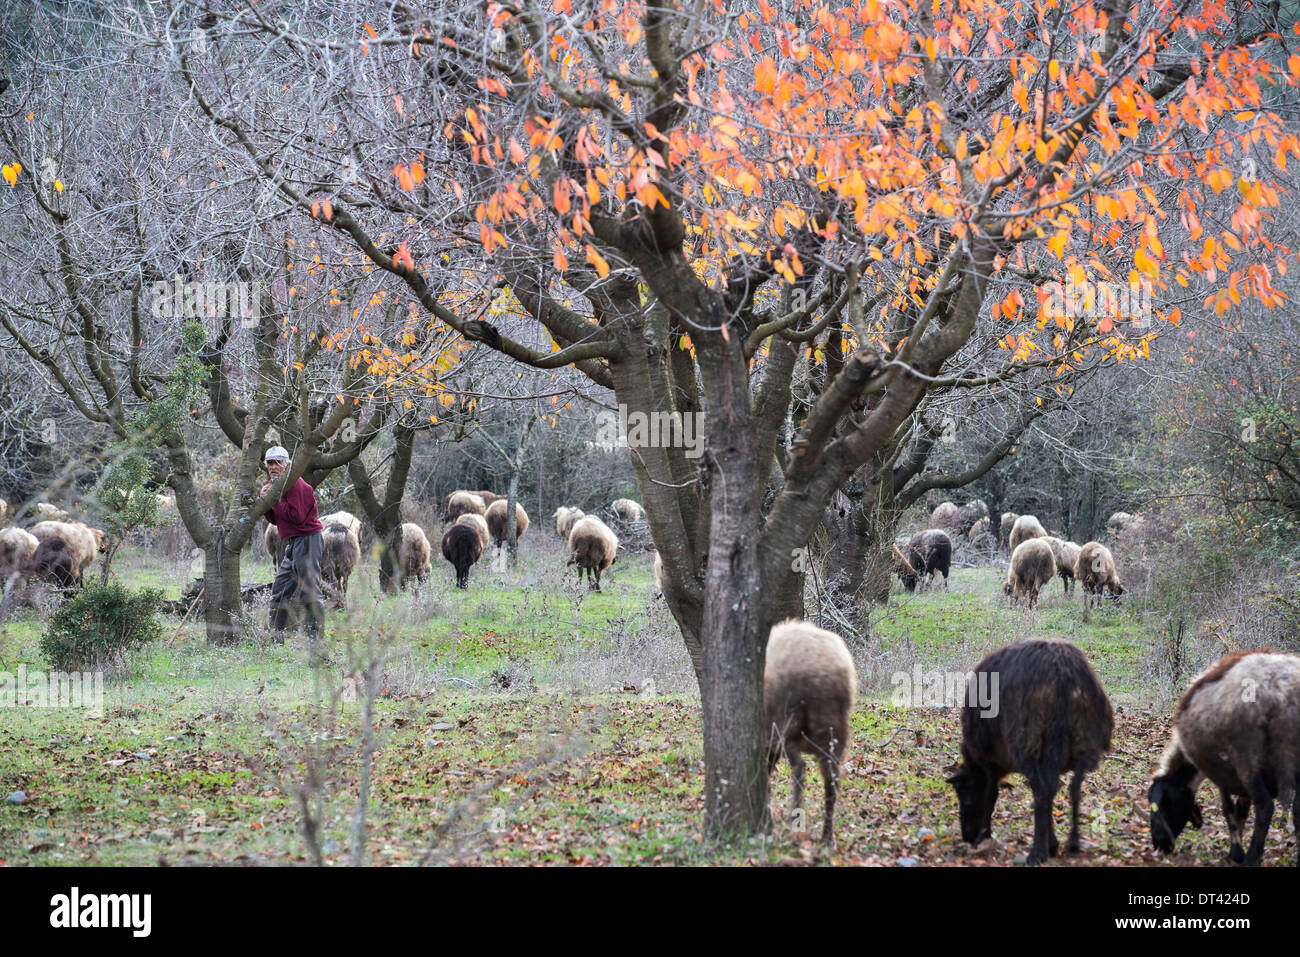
[978,531]
[462,547]
[944,516]
[1095,570]
[1032,567]
[414,556]
[464,503]
[626,510]
[479,524]
[84,542]
[274,547]
[1004,528]
[339,557]
[1049,715]
[488,497]
[808,688]
[496,520]
[565,516]
[1025,528]
[1238,725]
[16,550]
[55,562]
[593,547]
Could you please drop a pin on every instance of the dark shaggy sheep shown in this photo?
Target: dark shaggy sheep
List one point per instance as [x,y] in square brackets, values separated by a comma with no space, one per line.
[1238,725]
[462,547]
[55,562]
[927,552]
[1052,716]
[1032,566]
[808,688]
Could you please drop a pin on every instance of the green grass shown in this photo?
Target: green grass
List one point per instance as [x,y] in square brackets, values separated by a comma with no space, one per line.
[514,725]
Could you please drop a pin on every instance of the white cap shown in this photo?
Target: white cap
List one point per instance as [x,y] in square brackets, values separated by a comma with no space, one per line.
[276,453]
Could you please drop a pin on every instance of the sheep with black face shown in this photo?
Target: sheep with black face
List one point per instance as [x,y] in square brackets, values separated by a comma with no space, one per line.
[1238,725]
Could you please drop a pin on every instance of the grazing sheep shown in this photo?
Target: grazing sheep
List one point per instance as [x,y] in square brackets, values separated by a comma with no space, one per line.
[565,516]
[1238,725]
[808,688]
[464,503]
[83,542]
[340,555]
[488,497]
[593,547]
[1095,570]
[1047,714]
[346,519]
[1004,528]
[626,510]
[1032,567]
[414,556]
[479,524]
[901,566]
[927,552]
[978,531]
[16,550]
[1025,528]
[496,520]
[462,547]
[1066,559]
[1118,522]
[54,561]
[274,546]
[945,515]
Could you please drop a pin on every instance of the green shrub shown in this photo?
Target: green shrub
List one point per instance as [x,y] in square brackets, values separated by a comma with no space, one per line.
[96,628]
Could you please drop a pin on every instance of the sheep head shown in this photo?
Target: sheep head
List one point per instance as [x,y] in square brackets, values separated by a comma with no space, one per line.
[975,810]
[1173,805]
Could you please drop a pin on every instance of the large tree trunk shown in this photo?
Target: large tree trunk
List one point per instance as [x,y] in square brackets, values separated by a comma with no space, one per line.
[221,597]
[386,516]
[512,531]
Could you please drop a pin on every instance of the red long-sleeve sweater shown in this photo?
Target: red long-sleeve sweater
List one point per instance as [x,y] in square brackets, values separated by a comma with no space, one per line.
[295,514]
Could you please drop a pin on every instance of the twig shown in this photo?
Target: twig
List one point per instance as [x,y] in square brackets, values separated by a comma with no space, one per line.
[194,604]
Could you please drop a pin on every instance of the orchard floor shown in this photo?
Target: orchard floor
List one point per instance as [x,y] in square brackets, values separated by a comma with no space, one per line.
[527,721]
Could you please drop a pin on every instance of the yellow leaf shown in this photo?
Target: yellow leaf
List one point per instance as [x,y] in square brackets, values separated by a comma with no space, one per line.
[961,148]
[1053,71]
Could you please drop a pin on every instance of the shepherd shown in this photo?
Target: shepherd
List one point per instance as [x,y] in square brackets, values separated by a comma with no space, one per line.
[298,577]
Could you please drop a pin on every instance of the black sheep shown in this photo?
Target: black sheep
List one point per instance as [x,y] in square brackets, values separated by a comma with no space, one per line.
[462,547]
[1049,714]
[927,552]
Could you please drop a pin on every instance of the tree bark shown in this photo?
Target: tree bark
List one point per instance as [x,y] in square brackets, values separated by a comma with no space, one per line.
[222,603]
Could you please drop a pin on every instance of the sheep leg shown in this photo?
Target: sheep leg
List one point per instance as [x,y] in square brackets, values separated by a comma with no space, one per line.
[796,787]
[1295,817]
[831,780]
[990,801]
[1234,812]
[1076,787]
[1045,843]
[1263,802]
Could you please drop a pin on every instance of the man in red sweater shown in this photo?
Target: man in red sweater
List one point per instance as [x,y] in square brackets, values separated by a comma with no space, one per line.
[298,577]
